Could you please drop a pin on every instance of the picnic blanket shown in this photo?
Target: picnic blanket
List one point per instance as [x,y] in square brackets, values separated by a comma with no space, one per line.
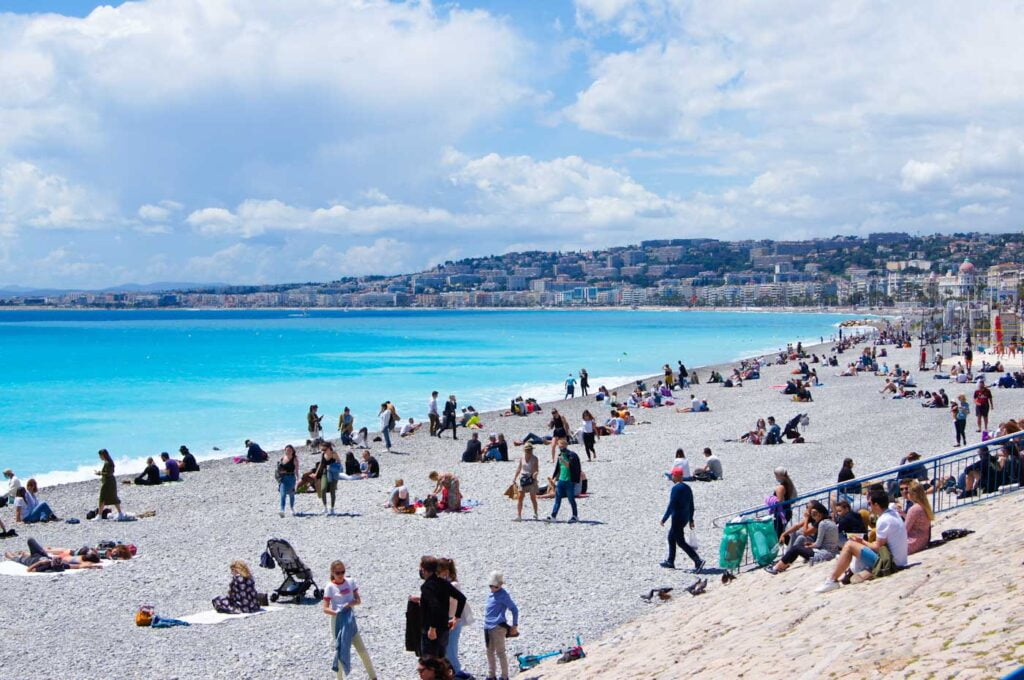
[213,617]
[11,568]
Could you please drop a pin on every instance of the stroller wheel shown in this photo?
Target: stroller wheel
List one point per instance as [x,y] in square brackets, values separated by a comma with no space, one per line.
[318,594]
[273,597]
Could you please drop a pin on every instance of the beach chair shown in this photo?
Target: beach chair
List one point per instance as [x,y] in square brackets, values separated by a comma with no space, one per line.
[297,576]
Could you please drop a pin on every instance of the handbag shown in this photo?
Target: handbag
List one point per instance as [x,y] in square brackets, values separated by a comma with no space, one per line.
[525,480]
[512,492]
[334,471]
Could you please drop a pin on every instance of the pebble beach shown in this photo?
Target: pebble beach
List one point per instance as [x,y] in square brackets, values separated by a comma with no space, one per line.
[568,580]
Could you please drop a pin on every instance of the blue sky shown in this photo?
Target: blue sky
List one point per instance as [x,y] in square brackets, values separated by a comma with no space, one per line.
[255,142]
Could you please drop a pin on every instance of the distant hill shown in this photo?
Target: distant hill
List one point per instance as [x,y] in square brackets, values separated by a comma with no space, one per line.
[156,287]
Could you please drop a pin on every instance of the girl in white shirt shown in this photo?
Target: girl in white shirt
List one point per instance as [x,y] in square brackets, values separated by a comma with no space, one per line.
[341,594]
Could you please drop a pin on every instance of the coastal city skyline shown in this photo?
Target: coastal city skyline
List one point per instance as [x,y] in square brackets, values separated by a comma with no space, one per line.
[884,269]
[248,143]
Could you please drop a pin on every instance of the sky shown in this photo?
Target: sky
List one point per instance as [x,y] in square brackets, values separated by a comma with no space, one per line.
[247,141]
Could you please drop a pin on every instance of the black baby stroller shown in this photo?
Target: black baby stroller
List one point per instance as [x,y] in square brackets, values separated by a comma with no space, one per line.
[297,576]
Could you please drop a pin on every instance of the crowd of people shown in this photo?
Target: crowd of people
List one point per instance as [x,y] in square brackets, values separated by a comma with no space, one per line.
[864,532]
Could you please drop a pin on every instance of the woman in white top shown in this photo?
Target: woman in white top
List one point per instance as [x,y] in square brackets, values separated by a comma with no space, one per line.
[446,570]
[589,434]
[343,594]
[362,439]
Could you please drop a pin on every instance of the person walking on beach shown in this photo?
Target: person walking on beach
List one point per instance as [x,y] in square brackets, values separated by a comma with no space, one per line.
[961,410]
[451,407]
[108,485]
[568,473]
[345,425]
[496,627]
[434,601]
[526,478]
[328,473]
[683,381]
[385,425]
[435,420]
[584,382]
[313,423]
[589,434]
[570,387]
[559,431]
[287,468]
[340,596]
[680,511]
[982,404]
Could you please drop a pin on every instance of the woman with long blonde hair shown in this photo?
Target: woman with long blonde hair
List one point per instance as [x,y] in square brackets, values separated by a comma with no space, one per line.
[918,518]
[242,597]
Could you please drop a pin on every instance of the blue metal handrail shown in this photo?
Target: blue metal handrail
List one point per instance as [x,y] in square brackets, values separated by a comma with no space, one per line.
[942,467]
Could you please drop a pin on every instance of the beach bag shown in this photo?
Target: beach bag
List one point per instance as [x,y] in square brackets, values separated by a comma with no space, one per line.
[144,616]
[430,506]
[334,472]
[512,492]
[733,546]
[764,543]
[885,564]
[266,561]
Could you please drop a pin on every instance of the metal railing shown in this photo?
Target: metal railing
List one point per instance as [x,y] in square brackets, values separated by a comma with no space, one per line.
[946,473]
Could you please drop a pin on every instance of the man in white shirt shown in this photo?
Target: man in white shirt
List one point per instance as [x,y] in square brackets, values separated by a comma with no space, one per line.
[890,532]
[13,484]
[432,415]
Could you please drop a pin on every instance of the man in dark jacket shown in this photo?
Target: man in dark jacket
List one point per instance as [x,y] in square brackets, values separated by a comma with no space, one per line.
[568,473]
[472,452]
[450,409]
[254,453]
[435,594]
[680,510]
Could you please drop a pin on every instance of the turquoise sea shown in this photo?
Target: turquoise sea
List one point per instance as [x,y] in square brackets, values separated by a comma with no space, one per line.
[141,382]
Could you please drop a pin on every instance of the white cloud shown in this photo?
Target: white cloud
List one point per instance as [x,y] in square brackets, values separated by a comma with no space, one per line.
[921,174]
[254,217]
[33,198]
[451,66]
[160,212]
[383,256]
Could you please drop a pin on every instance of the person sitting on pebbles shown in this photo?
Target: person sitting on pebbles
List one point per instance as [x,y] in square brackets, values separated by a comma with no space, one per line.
[398,499]
[824,548]
[889,547]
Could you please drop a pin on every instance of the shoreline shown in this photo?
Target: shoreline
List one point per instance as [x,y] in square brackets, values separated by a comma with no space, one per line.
[892,312]
[134,465]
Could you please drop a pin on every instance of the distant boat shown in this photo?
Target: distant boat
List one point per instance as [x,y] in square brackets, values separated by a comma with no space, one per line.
[305,312]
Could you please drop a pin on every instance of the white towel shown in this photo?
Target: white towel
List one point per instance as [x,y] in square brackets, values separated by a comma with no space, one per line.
[212,617]
[10,568]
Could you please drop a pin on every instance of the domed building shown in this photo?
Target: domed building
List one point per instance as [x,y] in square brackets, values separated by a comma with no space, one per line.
[960,284]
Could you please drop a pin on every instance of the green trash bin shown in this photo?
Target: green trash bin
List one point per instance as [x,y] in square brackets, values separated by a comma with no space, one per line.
[764,542]
[733,545]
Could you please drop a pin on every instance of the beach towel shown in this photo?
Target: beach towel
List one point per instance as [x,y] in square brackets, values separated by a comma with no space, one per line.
[212,617]
[10,568]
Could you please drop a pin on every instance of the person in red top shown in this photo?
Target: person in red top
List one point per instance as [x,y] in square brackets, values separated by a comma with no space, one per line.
[982,403]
